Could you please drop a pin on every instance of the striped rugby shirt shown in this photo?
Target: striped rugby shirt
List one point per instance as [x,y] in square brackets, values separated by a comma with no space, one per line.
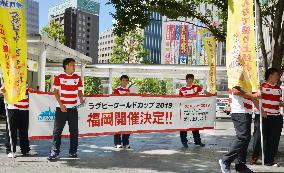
[190,91]
[68,86]
[271,98]
[121,91]
[240,104]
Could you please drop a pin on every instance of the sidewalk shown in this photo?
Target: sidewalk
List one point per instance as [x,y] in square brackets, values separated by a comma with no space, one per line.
[150,153]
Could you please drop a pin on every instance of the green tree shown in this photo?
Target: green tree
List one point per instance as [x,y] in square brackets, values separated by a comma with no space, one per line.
[128,48]
[131,14]
[54,31]
[92,85]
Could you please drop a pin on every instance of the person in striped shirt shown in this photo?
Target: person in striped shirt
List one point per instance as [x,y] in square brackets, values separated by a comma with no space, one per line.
[124,138]
[68,88]
[18,115]
[241,103]
[191,90]
[272,123]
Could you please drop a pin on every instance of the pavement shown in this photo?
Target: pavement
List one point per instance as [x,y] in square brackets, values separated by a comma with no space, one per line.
[150,153]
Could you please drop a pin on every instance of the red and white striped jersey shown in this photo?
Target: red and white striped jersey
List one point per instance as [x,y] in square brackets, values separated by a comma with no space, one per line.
[190,91]
[240,104]
[271,98]
[121,91]
[68,86]
[22,104]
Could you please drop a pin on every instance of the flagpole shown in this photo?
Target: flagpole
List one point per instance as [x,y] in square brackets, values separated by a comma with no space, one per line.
[260,101]
[8,120]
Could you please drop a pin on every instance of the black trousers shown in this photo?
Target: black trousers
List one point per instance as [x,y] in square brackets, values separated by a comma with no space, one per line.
[238,150]
[19,121]
[256,144]
[272,128]
[121,138]
[71,116]
[196,137]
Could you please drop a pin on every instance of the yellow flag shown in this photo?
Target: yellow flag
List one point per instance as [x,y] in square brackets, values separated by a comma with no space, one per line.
[13,49]
[210,48]
[240,47]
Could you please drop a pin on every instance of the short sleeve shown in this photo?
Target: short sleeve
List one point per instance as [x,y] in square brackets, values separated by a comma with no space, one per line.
[56,83]
[80,85]
[199,89]
[180,92]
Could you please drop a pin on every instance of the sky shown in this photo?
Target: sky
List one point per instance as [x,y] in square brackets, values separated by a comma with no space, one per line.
[105,17]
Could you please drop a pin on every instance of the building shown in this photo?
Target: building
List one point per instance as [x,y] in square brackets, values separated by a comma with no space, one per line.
[153,38]
[80,19]
[106,42]
[81,31]
[32,16]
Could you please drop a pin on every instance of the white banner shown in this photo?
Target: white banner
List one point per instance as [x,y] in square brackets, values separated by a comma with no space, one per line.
[111,114]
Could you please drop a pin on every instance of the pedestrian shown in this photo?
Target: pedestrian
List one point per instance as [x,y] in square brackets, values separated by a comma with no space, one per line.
[190,90]
[18,118]
[241,103]
[272,123]
[68,88]
[122,140]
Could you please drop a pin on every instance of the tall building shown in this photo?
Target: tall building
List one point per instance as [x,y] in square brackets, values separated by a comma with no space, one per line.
[32,16]
[106,42]
[80,19]
[81,31]
[153,38]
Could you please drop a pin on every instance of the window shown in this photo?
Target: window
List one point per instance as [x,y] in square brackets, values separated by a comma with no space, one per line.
[88,30]
[84,17]
[80,22]
[80,28]
[88,48]
[88,24]
[84,23]
[89,18]
[88,36]
[87,54]
[88,42]
[84,29]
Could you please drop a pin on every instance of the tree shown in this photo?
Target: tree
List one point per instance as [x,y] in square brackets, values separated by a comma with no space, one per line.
[92,85]
[131,14]
[54,31]
[128,48]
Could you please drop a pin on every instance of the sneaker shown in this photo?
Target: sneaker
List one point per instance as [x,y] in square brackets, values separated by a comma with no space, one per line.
[29,153]
[118,146]
[200,144]
[225,168]
[126,146]
[185,145]
[253,161]
[11,155]
[244,169]
[53,156]
[74,155]
[272,164]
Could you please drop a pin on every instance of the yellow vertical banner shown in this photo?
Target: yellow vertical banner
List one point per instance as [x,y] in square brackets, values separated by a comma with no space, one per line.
[13,49]
[240,47]
[210,48]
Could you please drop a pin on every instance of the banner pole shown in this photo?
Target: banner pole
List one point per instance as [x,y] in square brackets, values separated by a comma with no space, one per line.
[8,121]
[260,101]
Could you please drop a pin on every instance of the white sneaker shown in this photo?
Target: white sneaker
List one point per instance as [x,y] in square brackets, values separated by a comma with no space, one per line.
[126,146]
[11,155]
[118,146]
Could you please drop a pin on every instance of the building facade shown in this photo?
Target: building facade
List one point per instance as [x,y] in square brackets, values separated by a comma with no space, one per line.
[81,32]
[153,38]
[106,43]
[80,20]
[32,16]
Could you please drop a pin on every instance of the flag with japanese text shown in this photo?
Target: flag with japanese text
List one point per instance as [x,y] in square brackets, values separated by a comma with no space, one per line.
[13,49]
[240,45]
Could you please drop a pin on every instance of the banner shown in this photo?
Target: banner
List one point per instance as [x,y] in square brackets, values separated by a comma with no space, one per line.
[210,48]
[240,46]
[112,114]
[13,49]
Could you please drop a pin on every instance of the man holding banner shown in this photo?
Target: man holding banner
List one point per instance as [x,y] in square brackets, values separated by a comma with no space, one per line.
[68,88]
[190,90]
